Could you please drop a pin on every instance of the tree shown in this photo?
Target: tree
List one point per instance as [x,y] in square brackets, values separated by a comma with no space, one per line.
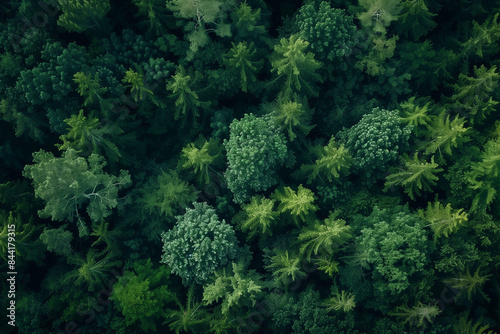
[484,176]
[330,32]
[377,139]
[260,217]
[333,161]
[204,16]
[82,15]
[138,88]
[241,60]
[186,98]
[70,182]
[444,135]
[299,204]
[377,15]
[86,135]
[443,220]
[198,244]
[469,284]
[484,39]
[474,95]
[417,315]
[166,194]
[394,251]
[142,294]
[255,150]
[156,13]
[246,20]
[291,115]
[285,267]
[415,19]
[415,176]
[91,90]
[415,116]
[201,157]
[340,301]
[238,288]
[58,240]
[295,68]
[324,239]
[189,317]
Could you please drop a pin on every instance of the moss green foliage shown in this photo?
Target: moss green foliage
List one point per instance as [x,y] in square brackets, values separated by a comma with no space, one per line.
[142,294]
[70,182]
[298,204]
[198,244]
[333,161]
[260,217]
[416,176]
[295,67]
[330,32]
[484,176]
[394,250]
[82,15]
[255,150]
[166,194]
[444,220]
[237,288]
[250,166]
[241,60]
[376,141]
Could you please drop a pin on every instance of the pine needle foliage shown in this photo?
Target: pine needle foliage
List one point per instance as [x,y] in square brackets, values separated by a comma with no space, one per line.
[417,315]
[444,220]
[415,177]
[260,217]
[299,204]
[469,284]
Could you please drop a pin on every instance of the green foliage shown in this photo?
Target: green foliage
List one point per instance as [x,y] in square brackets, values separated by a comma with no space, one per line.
[444,135]
[484,39]
[91,272]
[246,21]
[22,238]
[333,161]
[255,150]
[462,325]
[137,87]
[469,284]
[201,156]
[142,294]
[156,13]
[415,176]
[376,141]
[393,247]
[189,317]
[377,15]
[69,182]
[198,244]
[473,95]
[415,19]
[292,114]
[241,60]
[182,90]
[57,240]
[443,219]
[417,315]
[330,32]
[285,267]
[484,177]
[86,136]
[324,238]
[203,16]
[295,68]
[415,116]
[239,288]
[166,194]
[380,50]
[340,301]
[260,217]
[90,88]
[299,204]
[81,15]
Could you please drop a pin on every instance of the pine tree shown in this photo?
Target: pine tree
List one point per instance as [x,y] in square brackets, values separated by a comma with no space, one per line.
[443,219]
[241,60]
[444,135]
[81,15]
[260,217]
[299,204]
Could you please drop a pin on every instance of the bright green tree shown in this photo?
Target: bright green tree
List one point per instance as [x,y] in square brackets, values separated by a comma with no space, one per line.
[444,135]
[91,90]
[333,161]
[415,116]
[418,315]
[285,267]
[444,220]
[247,21]
[415,176]
[237,288]
[70,182]
[259,217]
[81,15]
[198,244]
[295,69]
[201,157]
[138,87]
[484,38]
[292,116]
[299,204]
